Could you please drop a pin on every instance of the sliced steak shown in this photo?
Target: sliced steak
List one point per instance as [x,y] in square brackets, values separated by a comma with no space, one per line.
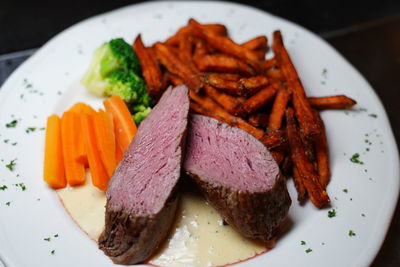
[238,176]
[141,198]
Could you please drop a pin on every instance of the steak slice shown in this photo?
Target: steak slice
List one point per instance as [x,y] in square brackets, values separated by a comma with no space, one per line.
[238,177]
[141,198]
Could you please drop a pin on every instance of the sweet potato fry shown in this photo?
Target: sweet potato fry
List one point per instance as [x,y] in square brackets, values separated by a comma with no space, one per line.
[260,54]
[259,120]
[331,102]
[212,109]
[228,86]
[257,43]
[299,184]
[304,114]
[185,51]
[278,155]
[304,167]
[174,79]
[275,74]
[177,67]
[273,139]
[226,45]
[278,109]
[224,63]
[287,165]
[322,154]
[174,39]
[227,76]
[252,84]
[230,103]
[259,99]
[200,49]
[269,63]
[244,86]
[150,69]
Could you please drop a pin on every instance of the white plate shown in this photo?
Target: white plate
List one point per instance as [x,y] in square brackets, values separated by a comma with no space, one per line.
[36,213]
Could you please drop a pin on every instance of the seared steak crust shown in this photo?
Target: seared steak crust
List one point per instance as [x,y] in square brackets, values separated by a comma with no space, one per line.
[131,239]
[254,215]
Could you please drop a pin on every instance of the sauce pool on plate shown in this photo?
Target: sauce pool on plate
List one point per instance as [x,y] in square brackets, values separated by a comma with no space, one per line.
[198,236]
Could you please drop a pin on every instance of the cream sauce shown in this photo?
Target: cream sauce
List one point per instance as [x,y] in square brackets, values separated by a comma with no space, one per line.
[198,236]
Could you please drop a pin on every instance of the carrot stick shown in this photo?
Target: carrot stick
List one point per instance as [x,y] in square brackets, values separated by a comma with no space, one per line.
[331,102]
[259,99]
[304,114]
[322,154]
[304,167]
[99,174]
[105,138]
[150,69]
[278,109]
[70,136]
[125,127]
[53,171]
[81,108]
[78,107]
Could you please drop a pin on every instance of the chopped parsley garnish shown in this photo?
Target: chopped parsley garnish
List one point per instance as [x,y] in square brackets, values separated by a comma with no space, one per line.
[356,159]
[331,213]
[345,190]
[12,124]
[4,187]
[362,109]
[308,250]
[30,129]
[362,214]
[373,115]
[47,239]
[324,73]
[8,203]
[56,235]
[11,165]
[23,187]
[53,252]
[6,141]
[351,233]
[302,243]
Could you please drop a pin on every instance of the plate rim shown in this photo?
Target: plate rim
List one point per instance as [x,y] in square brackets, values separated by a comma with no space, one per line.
[393,199]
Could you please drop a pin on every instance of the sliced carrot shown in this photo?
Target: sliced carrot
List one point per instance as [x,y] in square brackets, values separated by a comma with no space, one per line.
[70,126]
[105,138]
[80,108]
[97,169]
[119,154]
[125,127]
[53,171]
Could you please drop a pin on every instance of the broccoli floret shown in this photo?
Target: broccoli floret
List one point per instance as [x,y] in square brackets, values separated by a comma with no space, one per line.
[115,55]
[140,115]
[126,85]
[114,71]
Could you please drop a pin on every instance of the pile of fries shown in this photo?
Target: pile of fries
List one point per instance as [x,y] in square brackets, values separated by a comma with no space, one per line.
[235,84]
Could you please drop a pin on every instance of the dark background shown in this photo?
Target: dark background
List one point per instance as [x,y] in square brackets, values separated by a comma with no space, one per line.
[367,33]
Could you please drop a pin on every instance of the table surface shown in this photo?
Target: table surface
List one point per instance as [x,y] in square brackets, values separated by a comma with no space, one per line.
[368,35]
